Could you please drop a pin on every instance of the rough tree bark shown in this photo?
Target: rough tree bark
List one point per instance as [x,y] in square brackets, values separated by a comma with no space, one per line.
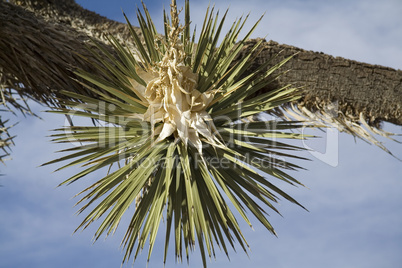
[39,40]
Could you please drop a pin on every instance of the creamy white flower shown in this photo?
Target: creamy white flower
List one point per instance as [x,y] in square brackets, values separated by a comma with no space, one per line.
[172,99]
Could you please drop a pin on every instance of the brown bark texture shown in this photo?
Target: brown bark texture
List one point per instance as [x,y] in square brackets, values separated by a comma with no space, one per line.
[40,42]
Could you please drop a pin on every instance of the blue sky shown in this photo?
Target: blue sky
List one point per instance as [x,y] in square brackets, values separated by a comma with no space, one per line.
[354,196]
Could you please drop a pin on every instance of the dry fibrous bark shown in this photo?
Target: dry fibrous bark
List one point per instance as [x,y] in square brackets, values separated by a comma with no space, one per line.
[375,91]
[40,40]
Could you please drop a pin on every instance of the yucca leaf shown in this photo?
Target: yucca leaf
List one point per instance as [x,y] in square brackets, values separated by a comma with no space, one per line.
[137,41]
[203,41]
[110,88]
[130,63]
[148,36]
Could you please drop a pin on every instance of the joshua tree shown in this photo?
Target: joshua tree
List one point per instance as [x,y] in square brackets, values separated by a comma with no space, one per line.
[57,53]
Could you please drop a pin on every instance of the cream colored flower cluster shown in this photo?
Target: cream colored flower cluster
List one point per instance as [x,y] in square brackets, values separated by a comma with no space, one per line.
[172,99]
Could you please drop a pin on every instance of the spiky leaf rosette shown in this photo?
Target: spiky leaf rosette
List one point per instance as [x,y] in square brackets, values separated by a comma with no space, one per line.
[177,127]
